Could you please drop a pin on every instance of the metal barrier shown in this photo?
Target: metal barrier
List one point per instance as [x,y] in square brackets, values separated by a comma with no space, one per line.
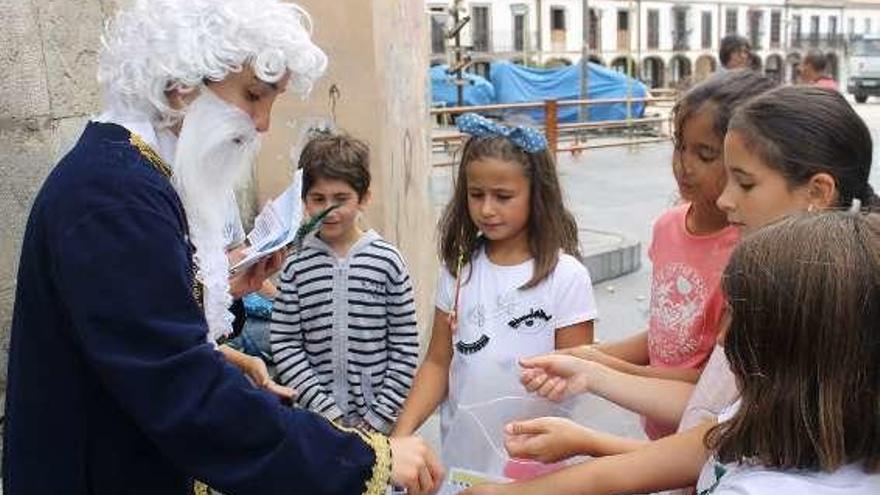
[572,131]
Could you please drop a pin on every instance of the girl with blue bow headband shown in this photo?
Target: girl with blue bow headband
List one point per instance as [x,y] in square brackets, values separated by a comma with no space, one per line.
[511,286]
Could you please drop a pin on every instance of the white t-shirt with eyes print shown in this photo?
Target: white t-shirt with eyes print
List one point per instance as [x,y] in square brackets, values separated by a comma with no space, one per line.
[498,324]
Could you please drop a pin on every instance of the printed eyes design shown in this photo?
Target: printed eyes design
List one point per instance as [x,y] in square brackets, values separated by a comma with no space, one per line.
[529,319]
[472,347]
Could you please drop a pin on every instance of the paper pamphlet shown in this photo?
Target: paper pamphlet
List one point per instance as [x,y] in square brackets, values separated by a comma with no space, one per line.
[276,226]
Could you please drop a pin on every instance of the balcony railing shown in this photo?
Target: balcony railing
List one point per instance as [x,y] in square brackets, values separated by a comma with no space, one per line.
[818,40]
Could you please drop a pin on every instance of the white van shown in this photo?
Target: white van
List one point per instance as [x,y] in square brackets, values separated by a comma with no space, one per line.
[864,67]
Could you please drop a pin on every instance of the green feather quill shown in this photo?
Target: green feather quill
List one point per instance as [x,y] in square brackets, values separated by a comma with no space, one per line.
[312,225]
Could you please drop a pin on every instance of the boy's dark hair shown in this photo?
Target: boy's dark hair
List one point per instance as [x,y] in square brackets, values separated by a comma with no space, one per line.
[730,44]
[817,60]
[551,226]
[804,343]
[724,92]
[336,157]
[802,131]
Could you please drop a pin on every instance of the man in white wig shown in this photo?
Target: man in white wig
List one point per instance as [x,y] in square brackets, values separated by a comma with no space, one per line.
[116,384]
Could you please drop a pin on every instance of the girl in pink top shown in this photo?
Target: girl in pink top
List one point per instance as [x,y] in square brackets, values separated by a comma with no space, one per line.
[690,247]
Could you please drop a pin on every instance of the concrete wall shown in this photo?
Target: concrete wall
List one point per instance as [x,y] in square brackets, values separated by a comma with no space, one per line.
[378,52]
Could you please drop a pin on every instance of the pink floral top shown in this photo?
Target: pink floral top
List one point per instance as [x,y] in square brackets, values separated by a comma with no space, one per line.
[686,298]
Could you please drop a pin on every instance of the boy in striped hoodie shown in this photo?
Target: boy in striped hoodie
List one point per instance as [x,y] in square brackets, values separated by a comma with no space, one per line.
[343,331]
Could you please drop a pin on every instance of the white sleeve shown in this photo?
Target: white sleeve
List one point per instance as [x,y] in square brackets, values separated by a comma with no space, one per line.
[445,290]
[572,293]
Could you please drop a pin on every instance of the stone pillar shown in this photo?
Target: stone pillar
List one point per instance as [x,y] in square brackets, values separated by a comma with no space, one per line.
[378,55]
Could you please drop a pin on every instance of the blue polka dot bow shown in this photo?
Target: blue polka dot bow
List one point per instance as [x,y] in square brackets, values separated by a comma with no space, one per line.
[530,140]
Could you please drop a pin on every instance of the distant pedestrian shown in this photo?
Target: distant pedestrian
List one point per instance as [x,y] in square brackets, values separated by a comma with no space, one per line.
[814,71]
[734,52]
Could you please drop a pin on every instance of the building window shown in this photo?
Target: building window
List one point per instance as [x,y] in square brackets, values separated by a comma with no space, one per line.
[653,28]
[438,33]
[680,32]
[594,29]
[796,29]
[519,32]
[706,28]
[814,29]
[623,36]
[480,28]
[557,19]
[730,22]
[851,29]
[775,28]
[867,26]
[755,19]
[832,29]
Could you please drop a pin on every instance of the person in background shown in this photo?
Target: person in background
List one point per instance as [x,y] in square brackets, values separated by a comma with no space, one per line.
[814,70]
[734,52]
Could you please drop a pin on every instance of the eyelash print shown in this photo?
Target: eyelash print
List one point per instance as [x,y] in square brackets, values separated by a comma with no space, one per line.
[529,318]
[472,347]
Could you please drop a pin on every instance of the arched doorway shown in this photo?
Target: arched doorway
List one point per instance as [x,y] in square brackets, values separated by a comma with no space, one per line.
[833,65]
[704,67]
[792,63]
[595,59]
[620,65]
[773,67]
[680,72]
[653,71]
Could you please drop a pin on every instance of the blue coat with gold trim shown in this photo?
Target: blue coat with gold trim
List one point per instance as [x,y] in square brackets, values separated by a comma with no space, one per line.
[112,388]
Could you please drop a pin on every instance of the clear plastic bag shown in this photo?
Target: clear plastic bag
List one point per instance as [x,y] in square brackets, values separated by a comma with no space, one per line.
[474,431]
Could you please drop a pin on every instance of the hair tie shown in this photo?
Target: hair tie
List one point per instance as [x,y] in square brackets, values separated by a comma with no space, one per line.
[528,139]
[856,205]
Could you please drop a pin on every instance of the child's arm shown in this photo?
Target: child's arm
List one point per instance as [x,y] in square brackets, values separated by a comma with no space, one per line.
[551,439]
[291,363]
[432,380]
[403,353]
[557,376]
[575,335]
[633,349]
[595,353]
[671,462]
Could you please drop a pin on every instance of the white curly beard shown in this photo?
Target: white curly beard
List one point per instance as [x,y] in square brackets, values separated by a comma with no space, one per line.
[217,145]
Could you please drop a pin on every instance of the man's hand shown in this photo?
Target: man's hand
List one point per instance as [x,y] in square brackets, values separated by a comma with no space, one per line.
[255,370]
[414,466]
[251,279]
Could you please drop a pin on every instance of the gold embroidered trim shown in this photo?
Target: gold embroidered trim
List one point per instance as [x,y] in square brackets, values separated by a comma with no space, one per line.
[200,488]
[378,483]
[381,478]
[159,164]
[148,153]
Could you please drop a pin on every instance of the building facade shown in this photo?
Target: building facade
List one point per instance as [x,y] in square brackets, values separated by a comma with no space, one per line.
[665,43]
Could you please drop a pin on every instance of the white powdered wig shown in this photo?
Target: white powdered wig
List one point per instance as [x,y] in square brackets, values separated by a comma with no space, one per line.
[218,143]
[160,45]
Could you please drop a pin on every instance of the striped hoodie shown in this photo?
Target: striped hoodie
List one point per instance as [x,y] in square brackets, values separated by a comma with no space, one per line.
[343,331]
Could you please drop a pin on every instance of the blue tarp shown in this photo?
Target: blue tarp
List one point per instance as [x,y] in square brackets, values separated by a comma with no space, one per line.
[515,83]
[443,90]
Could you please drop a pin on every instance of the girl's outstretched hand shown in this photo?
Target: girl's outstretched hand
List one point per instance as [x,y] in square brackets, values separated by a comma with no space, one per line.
[555,376]
[547,439]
